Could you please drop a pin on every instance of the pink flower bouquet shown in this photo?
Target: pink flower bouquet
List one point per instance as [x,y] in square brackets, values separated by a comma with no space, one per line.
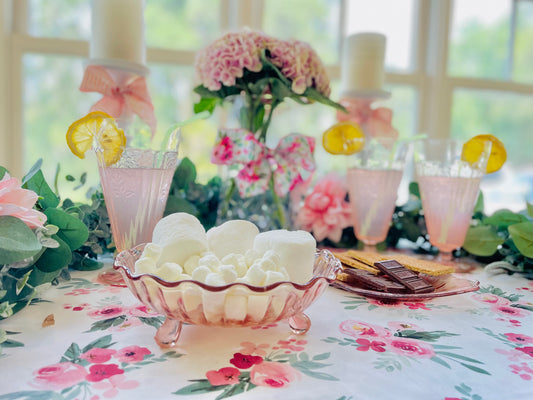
[265,70]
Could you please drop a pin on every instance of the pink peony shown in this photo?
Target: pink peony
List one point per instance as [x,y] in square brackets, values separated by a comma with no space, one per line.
[98,355]
[325,211]
[244,361]
[59,376]
[519,338]
[224,376]
[358,328]
[19,202]
[99,372]
[107,312]
[273,374]
[410,347]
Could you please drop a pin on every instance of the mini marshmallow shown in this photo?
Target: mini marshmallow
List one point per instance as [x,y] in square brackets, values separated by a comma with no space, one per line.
[296,250]
[170,272]
[200,273]
[214,279]
[266,264]
[235,236]
[255,275]
[257,306]
[273,277]
[250,256]
[145,265]
[238,261]
[228,273]
[191,264]
[209,260]
[235,307]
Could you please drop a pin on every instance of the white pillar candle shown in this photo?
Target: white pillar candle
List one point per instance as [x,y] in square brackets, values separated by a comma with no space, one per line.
[363,62]
[118,30]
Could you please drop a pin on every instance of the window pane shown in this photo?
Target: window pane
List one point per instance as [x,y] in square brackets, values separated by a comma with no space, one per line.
[181,24]
[479,45]
[52,102]
[523,50]
[508,117]
[172,95]
[397,23]
[65,19]
[312,21]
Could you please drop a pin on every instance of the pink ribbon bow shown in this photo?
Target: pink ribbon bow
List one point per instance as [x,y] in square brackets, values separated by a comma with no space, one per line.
[290,163]
[132,96]
[375,122]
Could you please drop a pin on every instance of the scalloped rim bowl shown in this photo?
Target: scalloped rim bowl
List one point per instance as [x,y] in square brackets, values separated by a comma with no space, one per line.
[232,305]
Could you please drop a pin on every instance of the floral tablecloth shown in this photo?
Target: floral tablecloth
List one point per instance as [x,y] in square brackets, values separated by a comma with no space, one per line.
[85,340]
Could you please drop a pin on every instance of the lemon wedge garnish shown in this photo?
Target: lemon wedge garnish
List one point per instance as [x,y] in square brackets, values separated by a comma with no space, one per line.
[473,148]
[343,138]
[98,131]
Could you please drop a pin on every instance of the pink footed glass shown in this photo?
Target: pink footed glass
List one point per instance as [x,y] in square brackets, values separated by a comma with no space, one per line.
[232,305]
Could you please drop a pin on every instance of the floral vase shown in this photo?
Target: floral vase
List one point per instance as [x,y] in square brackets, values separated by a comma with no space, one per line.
[260,183]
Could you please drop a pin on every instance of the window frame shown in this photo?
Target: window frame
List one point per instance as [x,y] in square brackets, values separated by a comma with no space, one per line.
[429,78]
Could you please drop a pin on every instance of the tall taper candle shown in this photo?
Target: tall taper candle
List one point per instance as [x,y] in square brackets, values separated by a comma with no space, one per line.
[118,30]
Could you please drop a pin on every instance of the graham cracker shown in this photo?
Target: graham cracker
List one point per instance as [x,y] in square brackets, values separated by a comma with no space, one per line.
[350,262]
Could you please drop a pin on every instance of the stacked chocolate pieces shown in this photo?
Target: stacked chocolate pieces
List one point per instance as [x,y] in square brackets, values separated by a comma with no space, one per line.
[385,274]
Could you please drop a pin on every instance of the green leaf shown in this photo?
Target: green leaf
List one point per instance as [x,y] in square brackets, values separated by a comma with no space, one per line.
[318,375]
[101,343]
[21,282]
[414,189]
[72,353]
[17,241]
[504,218]
[482,240]
[206,104]
[107,323]
[184,175]
[522,235]
[33,170]
[179,204]
[480,203]
[71,230]
[529,209]
[32,395]
[320,357]
[47,198]
[199,387]
[152,321]
[440,361]
[3,171]
[475,369]
[53,259]
[459,357]
[12,343]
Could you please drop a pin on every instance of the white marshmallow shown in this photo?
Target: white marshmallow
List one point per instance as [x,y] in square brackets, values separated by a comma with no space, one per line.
[255,275]
[152,250]
[257,306]
[273,277]
[170,272]
[191,263]
[238,262]
[250,256]
[234,236]
[210,261]
[235,307]
[145,265]
[200,273]
[296,250]
[214,279]
[228,273]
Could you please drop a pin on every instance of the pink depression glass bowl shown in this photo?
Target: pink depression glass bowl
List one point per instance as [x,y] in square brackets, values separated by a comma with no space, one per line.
[233,305]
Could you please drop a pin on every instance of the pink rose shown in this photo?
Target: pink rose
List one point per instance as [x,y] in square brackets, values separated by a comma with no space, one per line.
[526,350]
[132,354]
[490,298]
[59,376]
[273,374]
[244,361]
[141,311]
[97,355]
[224,376]
[410,347]
[99,372]
[509,310]
[19,202]
[325,211]
[365,345]
[519,338]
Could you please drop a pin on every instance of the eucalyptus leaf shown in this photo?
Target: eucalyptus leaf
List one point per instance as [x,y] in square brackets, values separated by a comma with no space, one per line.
[17,241]
[482,240]
[54,259]
[504,218]
[71,230]
[47,198]
[21,282]
[522,235]
[33,170]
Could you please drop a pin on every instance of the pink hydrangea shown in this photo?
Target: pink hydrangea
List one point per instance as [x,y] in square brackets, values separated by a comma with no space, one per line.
[325,211]
[19,202]
[224,61]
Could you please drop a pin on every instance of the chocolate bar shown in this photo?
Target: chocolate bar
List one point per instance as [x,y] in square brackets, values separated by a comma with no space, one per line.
[372,281]
[406,277]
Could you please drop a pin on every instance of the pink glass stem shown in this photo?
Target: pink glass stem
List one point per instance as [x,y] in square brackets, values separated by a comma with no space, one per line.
[299,323]
[167,335]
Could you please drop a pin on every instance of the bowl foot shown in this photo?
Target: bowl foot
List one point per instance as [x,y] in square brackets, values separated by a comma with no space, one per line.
[299,323]
[167,335]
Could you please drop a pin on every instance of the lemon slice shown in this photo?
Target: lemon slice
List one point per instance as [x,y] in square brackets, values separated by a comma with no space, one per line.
[343,138]
[474,147]
[97,130]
